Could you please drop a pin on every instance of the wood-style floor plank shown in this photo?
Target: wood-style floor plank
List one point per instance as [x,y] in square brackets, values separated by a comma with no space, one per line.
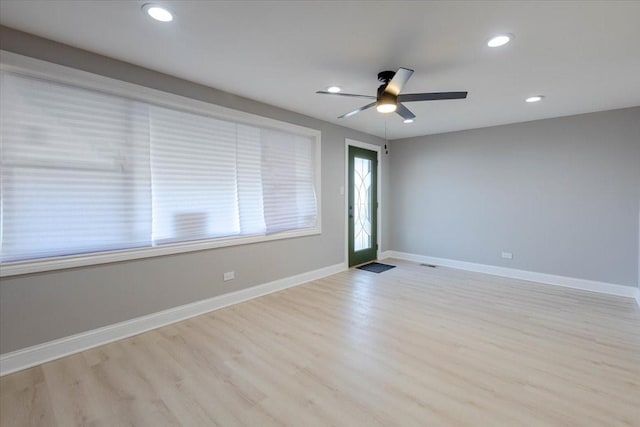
[412,346]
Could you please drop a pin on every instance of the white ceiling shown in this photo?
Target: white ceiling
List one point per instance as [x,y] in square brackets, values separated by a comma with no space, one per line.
[583,56]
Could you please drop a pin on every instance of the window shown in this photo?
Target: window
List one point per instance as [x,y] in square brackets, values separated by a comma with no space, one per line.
[73,171]
[88,172]
[193,174]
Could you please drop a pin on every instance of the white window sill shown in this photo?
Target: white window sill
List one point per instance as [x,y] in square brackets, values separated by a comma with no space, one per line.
[59,263]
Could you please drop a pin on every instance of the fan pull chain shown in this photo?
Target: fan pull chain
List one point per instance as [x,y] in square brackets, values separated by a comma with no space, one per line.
[386,141]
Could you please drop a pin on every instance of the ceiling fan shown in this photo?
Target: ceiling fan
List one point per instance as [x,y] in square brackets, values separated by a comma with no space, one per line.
[389,98]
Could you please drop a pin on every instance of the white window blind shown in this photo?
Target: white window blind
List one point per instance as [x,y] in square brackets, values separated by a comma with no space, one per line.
[86,172]
[249,178]
[193,171]
[287,165]
[73,171]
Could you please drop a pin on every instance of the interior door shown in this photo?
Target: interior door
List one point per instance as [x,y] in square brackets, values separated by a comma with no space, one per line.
[363,205]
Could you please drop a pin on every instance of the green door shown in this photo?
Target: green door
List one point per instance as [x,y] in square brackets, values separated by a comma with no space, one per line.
[363,205]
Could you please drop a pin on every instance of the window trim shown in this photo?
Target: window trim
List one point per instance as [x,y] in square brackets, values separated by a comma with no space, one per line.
[11,62]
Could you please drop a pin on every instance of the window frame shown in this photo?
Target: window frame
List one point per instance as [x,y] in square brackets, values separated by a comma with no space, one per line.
[31,67]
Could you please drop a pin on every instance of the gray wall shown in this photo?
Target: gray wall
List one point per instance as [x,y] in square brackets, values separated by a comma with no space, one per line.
[560,194]
[41,307]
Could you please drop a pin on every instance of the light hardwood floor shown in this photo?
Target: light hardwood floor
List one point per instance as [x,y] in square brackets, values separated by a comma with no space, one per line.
[411,346]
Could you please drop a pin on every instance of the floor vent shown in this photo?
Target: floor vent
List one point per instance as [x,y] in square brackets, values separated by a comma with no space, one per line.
[428,265]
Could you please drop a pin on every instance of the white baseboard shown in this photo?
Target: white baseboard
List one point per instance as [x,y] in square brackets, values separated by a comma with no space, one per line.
[41,353]
[549,279]
[638,296]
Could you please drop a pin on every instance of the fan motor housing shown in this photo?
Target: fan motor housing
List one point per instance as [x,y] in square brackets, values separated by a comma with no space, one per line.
[386,76]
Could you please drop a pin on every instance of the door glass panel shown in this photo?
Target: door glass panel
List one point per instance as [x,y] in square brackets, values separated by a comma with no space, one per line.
[362,201]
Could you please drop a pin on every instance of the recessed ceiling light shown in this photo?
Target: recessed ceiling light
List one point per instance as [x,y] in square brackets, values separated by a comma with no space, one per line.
[158,13]
[499,40]
[333,89]
[407,121]
[535,98]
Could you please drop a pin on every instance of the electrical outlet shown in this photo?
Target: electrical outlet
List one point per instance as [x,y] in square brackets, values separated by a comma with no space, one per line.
[229,275]
[507,255]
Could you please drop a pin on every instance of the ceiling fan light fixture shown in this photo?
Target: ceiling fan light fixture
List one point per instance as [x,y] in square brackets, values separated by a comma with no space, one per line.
[387,103]
[157,12]
[334,89]
[499,40]
[386,108]
[407,121]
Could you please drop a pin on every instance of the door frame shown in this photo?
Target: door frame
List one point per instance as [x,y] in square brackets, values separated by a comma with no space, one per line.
[371,147]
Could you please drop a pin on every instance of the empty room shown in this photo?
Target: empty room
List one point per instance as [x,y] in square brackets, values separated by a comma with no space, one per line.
[319,213]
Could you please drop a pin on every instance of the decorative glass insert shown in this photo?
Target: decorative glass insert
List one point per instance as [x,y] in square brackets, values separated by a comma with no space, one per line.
[362,201]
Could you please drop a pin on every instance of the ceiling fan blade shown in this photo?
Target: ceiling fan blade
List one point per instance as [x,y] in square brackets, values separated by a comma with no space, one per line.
[351,113]
[398,81]
[353,95]
[404,112]
[434,96]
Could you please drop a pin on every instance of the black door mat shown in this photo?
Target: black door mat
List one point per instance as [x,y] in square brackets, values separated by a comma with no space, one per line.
[376,267]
